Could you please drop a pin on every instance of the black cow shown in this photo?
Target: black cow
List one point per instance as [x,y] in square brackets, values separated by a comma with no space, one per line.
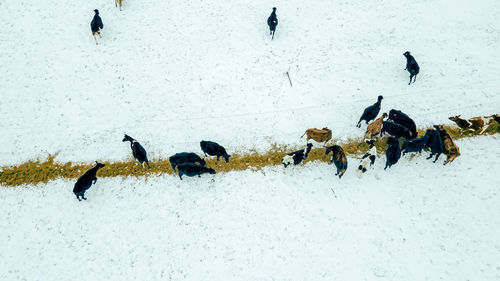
[395,130]
[411,66]
[214,149]
[272,21]
[402,119]
[338,158]
[137,150]
[435,143]
[96,25]
[370,112]
[393,152]
[296,157]
[415,145]
[191,170]
[185,157]
[85,181]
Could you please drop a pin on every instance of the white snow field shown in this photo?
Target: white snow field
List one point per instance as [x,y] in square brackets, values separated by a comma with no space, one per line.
[416,221]
[172,73]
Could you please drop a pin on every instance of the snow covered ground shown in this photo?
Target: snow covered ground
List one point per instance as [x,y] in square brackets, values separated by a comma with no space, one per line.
[416,221]
[172,73]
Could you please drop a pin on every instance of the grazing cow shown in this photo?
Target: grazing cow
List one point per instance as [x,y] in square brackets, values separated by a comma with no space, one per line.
[191,170]
[370,112]
[214,149]
[472,124]
[495,117]
[393,152]
[369,158]
[338,158]
[402,119]
[411,66]
[416,144]
[85,181]
[185,157]
[296,157]
[322,135]
[96,25]
[272,21]
[375,127]
[395,130]
[137,150]
[450,149]
[434,143]
[118,3]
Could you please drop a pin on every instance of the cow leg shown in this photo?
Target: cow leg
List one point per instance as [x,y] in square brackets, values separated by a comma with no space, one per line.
[415,79]
[83,197]
[411,76]
[95,39]
[437,156]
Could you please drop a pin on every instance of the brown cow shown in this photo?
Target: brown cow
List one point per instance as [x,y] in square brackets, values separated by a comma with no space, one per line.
[473,124]
[450,149]
[375,127]
[119,2]
[322,135]
[338,158]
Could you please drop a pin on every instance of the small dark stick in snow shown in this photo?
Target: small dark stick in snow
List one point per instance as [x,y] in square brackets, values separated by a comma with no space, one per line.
[333,192]
[289,78]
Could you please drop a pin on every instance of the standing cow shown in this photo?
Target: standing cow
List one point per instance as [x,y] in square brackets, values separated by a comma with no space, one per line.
[411,66]
[322,135]
[338,158]
[85,181]
[272,21]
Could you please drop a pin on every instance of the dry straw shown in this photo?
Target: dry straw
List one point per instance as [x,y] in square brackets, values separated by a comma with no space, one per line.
[36,171]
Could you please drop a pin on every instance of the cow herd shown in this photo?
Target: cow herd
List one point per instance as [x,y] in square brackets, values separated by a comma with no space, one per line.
[185,163]
[402,138]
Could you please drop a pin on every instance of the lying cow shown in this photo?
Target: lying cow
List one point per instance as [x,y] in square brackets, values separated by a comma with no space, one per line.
[450,149]
[191,170]
[369,158]
[472,124]
[322,135]
[338,158]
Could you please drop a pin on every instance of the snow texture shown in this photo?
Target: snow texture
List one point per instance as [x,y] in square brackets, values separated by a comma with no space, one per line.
[416,221]
[173,73]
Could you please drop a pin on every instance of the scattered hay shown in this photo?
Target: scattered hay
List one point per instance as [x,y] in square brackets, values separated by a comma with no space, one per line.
[36,171]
